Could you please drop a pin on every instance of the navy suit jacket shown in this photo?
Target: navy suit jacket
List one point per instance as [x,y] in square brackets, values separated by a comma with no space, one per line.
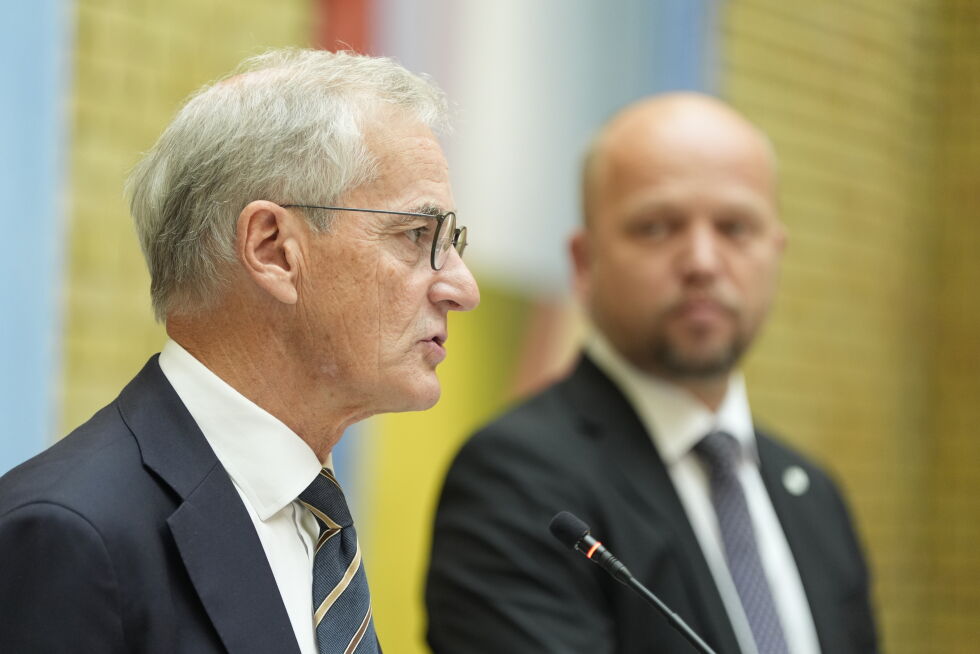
[128,536]
[499,582]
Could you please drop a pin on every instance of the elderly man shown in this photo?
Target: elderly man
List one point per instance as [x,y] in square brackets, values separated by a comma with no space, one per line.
[297,222]
[650,439]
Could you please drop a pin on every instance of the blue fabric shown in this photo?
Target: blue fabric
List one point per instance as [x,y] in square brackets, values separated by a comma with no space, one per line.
[348,625]
[133,535]
[719,451]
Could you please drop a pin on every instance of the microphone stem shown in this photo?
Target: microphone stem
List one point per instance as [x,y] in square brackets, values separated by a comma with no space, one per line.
[674,619]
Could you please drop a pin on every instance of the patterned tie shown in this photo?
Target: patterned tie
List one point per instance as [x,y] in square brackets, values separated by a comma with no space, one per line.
[719,451]
[341,602]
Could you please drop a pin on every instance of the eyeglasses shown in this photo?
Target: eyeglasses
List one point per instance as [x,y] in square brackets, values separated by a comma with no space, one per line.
[446,235]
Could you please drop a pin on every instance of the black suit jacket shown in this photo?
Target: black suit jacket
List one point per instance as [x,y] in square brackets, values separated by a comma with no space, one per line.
[128,536]
[499,582]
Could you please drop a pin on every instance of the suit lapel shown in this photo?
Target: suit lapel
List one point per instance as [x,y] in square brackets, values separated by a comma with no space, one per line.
[646,483]
[229,569]
[805,533]
[211,527]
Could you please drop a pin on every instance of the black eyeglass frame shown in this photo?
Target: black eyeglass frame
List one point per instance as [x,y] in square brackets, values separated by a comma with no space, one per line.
[459,233]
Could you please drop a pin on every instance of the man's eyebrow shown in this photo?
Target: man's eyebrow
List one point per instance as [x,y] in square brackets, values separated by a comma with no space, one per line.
[414,214]
[428,209]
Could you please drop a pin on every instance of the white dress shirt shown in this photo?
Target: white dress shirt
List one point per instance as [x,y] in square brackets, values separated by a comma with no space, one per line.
[676,421]
[269,465]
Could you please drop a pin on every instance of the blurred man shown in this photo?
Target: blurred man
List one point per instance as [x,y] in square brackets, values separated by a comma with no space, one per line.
[296,219]
[650,439]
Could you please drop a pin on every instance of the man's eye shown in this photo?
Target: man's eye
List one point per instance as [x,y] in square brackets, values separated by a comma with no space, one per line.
[652,229]
[656,228]
[736,228]
[418,234]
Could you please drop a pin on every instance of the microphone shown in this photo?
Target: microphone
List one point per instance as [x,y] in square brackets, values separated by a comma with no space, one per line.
[575,534]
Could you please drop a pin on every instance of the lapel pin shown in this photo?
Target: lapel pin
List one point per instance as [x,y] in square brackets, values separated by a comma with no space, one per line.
[796,480]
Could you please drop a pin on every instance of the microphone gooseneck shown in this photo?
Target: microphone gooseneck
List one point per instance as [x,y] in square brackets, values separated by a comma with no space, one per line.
[575,534]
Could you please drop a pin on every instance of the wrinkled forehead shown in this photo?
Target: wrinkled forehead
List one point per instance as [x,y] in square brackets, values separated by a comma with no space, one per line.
[409,162]
[393,135]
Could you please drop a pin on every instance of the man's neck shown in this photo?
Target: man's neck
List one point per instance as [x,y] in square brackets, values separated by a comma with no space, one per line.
[261,373]
[710,391]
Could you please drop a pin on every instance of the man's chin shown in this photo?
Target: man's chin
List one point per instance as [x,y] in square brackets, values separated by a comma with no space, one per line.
[423,395]
[684,363]
[428,402]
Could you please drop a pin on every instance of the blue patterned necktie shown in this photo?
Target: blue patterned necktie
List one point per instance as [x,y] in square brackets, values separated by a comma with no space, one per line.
[341,601]
[720,450]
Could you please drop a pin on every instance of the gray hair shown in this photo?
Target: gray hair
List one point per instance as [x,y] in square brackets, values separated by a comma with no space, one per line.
[286,126]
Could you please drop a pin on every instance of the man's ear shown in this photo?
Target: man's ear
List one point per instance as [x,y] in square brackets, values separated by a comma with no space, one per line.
[267,241]
[579,248]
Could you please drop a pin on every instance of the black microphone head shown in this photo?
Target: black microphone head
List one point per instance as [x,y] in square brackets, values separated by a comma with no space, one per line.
[568,529]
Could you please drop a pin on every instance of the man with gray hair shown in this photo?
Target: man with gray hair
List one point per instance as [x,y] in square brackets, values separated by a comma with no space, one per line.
[296,218]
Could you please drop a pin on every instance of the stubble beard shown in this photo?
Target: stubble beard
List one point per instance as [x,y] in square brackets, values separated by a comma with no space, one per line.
[674,361]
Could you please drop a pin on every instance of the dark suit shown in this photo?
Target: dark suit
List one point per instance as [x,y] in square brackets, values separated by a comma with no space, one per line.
[128,536]
[499,582]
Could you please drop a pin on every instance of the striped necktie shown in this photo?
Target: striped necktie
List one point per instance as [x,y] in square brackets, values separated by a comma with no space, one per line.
[341,601]
[720,450]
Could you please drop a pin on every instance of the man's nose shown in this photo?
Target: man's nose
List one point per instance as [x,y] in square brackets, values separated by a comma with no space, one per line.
[456,285]
[702,255]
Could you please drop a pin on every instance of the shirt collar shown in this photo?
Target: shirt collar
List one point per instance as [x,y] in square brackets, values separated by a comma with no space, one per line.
[266,460]
[673,417]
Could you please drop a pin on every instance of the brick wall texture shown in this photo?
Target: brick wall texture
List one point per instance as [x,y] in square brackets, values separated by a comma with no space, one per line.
[871,361]
[135,61]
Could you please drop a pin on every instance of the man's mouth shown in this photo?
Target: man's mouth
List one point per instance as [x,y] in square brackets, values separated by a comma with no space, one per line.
[702,311]
[435,347]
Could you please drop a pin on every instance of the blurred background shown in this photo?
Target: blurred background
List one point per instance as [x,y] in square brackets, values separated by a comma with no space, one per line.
[871,360]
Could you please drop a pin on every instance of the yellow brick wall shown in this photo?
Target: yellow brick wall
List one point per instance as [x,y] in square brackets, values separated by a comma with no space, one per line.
[871,361]
[135,61]
[954,597]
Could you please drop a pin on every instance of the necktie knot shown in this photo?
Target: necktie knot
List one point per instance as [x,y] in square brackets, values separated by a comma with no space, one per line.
[325,499]
[720,451]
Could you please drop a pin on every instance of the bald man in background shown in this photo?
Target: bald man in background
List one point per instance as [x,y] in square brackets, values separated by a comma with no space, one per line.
[650,440]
